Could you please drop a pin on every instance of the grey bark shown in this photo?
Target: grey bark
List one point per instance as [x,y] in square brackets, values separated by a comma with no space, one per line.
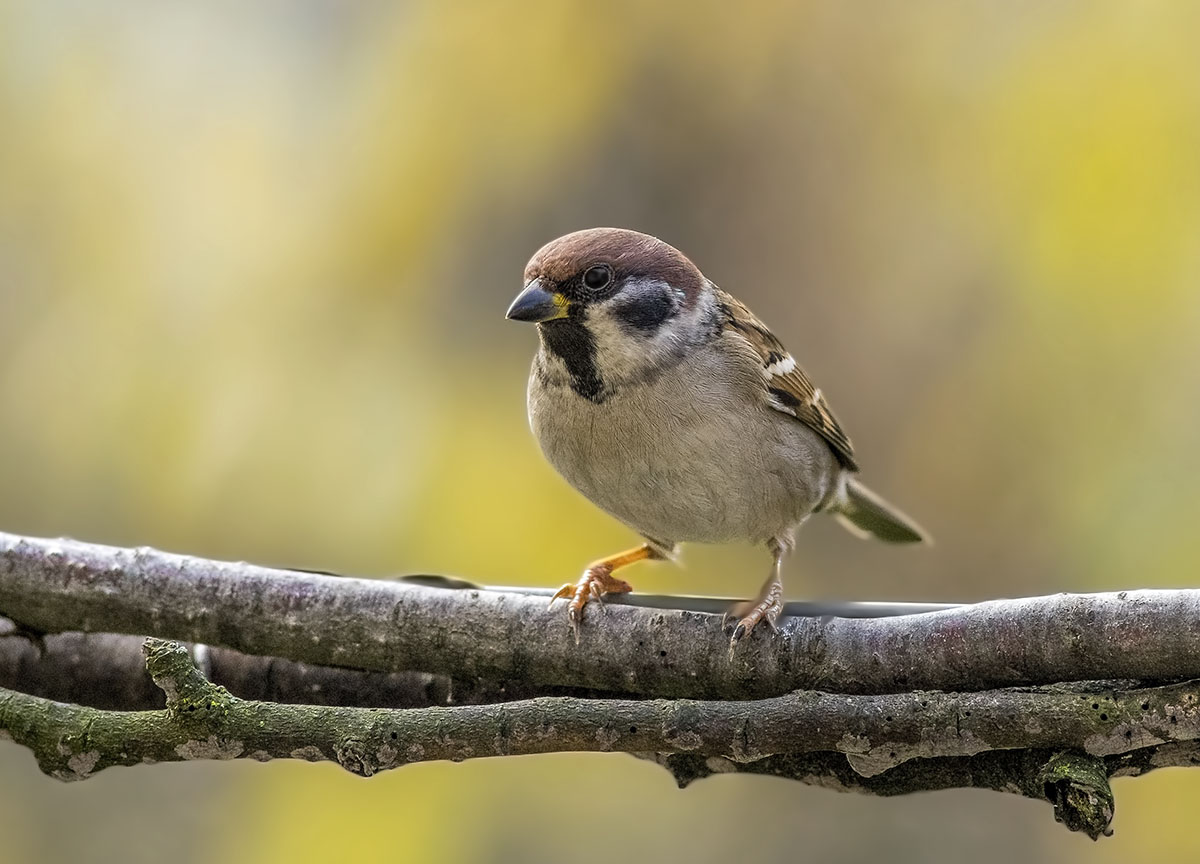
[388,626]
[886,744]
[852,704]
[1074,783]
[107,670]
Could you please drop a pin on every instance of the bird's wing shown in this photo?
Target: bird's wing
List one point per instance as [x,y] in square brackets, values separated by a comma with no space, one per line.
[786,387]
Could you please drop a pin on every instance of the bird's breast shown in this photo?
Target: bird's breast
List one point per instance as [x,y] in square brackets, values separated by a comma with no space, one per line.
[688,456]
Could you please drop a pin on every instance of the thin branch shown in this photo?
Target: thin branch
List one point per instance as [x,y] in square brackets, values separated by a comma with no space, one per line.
[107,670]
[1074,783]
[63,585]
[917,733]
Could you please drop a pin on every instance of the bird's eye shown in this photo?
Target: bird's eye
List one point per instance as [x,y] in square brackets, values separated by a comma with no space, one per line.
[597,277]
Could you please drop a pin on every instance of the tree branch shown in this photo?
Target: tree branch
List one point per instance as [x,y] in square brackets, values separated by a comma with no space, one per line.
[846,703]
[1075,784]
[107,670]
[890,744]
[55,586]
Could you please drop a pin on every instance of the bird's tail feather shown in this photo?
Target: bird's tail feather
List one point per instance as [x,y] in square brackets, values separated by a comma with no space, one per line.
[865,514]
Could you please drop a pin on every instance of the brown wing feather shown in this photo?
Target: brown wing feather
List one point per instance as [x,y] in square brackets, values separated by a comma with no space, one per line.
[789,390]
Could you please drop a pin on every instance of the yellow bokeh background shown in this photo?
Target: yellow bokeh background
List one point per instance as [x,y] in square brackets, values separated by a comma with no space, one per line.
[254,260]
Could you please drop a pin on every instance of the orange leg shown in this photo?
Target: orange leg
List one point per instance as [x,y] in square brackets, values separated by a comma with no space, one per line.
[597,580]
[765,607]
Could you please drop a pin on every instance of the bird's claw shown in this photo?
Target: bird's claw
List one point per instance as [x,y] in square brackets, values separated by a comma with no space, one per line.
[567,589]
[593,585]
[749,615]
[574,614]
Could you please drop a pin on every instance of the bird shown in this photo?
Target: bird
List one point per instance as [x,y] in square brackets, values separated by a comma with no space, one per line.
[669,405]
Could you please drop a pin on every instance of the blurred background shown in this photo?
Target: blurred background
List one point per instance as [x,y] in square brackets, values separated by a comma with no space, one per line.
[254,262]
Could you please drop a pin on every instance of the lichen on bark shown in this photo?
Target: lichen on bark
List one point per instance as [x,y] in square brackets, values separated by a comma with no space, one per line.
[1077,785]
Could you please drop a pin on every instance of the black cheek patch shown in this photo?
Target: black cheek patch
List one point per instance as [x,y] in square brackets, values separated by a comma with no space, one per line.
[646,312]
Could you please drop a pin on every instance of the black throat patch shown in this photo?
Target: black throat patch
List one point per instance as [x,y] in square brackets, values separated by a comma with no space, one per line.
[568,339]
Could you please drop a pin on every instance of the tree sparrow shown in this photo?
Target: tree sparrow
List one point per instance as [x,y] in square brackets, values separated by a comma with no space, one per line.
[669,405]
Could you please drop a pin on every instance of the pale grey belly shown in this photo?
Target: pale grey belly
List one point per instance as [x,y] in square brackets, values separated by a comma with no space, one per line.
[701,469]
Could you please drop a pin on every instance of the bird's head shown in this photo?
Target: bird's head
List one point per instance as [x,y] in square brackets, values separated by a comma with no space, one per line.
[621,302]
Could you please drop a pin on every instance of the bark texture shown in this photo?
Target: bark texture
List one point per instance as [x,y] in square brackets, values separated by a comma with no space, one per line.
[1041,743]
[62,585]
[107,670]
[376,674]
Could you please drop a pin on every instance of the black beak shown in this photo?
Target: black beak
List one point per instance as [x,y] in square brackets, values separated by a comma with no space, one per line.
[536,304]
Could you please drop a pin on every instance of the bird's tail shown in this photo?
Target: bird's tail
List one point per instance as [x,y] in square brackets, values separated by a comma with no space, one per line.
[865,514]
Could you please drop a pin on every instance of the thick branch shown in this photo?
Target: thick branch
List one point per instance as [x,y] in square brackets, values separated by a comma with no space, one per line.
[390,626]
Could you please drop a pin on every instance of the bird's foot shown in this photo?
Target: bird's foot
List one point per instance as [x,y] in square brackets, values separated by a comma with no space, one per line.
[766,607]
[596,581]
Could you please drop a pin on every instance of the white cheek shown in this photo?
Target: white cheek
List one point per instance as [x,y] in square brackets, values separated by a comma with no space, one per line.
[622,354]
[700,312]
[619,354]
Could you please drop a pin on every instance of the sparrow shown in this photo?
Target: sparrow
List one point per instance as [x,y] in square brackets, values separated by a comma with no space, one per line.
[669,405]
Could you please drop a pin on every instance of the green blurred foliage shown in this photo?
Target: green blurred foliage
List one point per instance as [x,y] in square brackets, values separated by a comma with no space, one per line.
[253,265]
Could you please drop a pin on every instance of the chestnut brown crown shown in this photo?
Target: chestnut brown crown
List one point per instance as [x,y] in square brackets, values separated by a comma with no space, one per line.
[629,255]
